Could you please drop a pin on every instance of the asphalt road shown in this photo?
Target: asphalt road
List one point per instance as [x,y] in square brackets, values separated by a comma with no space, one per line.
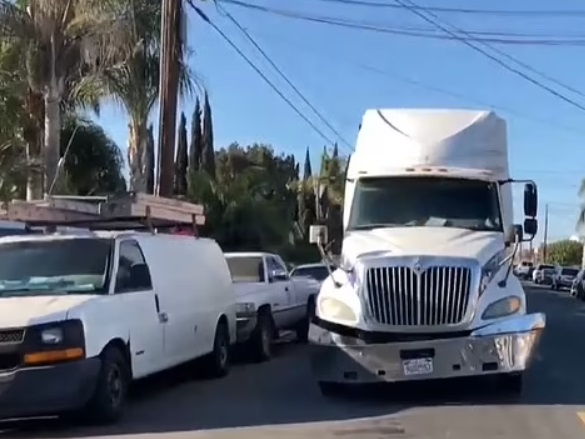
[279,399]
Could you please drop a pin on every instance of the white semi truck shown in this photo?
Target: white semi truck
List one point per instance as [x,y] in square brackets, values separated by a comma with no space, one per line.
[425,288]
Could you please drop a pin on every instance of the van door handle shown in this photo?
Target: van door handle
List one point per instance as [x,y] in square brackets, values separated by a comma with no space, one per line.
[285,288]
[163,317]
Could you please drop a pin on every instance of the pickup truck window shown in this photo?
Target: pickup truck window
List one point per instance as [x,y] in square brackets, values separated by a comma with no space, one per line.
[133,273]
[246,269]
[32,268]
[425,202]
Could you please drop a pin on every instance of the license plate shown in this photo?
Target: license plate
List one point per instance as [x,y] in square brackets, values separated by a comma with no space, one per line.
[418,366]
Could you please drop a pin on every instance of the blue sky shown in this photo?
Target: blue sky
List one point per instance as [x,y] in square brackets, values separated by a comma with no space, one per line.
[327,64]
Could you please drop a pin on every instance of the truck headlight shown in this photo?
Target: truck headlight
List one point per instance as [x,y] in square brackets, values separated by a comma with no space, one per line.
[502,308]
[334,309]
[245,309]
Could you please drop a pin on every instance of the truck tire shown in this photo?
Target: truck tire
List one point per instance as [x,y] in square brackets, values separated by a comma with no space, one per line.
[329,389]
[262,336]
[218,361]
[302,329]
[512,383]
[109,398]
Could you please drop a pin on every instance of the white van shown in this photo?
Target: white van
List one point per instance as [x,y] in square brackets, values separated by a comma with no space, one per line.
[81,315]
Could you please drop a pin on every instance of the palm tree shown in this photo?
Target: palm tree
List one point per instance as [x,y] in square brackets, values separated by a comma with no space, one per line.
[134,81]
[62,40]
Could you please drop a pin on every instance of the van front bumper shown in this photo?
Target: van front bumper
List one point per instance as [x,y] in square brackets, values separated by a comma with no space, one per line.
[47,390]
[504,347]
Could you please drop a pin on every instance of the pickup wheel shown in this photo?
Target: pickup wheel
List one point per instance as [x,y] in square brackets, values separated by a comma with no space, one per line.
[261,339]
[302,329]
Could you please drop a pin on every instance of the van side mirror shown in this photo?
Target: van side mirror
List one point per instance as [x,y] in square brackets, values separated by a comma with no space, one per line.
[530,200]
[531,227]
[318,235]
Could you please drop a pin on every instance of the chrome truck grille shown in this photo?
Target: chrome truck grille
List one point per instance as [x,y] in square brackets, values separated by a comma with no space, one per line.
[399,296]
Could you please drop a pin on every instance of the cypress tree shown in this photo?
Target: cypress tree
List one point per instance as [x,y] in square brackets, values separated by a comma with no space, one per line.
[208,153]
[181,160]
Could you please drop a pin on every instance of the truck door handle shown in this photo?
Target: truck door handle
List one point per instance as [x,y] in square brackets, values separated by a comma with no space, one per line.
[285,288]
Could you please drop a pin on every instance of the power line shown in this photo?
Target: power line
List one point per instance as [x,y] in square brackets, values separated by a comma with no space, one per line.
[435,20]
[206,19]
[423,85]
[411,32]
[283,76]
[501,12]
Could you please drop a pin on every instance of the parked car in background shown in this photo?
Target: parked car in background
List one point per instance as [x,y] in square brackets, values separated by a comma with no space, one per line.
[524,269]
[578,287]
[318,271]
[538,275]
[564,277]
[269,300]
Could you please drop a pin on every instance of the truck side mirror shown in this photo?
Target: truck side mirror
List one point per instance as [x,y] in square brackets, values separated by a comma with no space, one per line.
[531,227]
[318,235]
[530,201]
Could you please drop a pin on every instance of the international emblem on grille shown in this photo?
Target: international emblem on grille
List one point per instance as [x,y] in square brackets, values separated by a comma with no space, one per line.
[417,267]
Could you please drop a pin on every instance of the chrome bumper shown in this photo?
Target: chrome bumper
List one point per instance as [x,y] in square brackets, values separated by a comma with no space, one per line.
[504,347]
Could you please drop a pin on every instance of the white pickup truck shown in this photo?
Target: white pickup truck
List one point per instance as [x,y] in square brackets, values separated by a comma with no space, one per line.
[269,300]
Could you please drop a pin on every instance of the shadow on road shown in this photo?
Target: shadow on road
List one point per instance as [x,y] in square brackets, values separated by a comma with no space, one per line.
[282,391]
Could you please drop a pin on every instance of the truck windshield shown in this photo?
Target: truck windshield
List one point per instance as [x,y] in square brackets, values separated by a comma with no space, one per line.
[425,202]
[246,269]
[63,266]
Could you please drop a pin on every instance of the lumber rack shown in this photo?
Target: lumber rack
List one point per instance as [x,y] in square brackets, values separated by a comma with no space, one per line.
[131,211]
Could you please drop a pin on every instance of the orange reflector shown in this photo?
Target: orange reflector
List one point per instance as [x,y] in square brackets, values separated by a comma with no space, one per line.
[53,356]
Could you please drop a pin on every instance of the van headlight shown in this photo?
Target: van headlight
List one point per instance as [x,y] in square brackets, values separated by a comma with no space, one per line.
[52,336]
[334,309]
[502,308]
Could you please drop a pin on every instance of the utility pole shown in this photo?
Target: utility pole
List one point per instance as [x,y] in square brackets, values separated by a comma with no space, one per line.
[545,240]
[169,83]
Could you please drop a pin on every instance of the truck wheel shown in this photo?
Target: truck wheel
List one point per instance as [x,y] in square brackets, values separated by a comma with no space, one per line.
[261,339]
[303,326]
[109,399]
[218,362]
[512,383]
[330,389]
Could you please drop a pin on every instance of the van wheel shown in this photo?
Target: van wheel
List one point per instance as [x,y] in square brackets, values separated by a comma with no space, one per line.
[261,339]
[219,359]
[109,399]
[303,326]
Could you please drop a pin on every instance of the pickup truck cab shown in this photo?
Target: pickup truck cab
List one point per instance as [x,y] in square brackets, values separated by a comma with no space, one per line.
[269,300]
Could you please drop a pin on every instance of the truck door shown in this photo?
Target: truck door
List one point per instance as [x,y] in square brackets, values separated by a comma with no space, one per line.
[141,309]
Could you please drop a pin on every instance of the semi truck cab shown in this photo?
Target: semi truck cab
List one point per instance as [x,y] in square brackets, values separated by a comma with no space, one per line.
[425,288]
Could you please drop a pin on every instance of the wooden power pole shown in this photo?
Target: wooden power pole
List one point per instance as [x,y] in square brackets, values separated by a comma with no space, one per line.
[169,88]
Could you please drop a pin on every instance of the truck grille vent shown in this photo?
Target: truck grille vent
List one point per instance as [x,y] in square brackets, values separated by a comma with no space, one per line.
[398,296]
[11,336]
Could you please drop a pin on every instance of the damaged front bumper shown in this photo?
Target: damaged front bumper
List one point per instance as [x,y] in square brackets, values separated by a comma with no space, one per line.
[346,355]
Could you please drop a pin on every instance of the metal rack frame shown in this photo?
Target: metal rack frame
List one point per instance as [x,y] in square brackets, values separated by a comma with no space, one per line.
[132,211]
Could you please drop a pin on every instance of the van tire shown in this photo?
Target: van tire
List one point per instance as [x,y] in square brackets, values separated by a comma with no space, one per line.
[302,329]
[109,399]
[218,362]
[262,337]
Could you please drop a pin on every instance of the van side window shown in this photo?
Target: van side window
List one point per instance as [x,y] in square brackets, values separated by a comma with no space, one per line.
[133,273]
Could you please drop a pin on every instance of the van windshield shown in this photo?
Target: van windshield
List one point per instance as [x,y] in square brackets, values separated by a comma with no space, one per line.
[246,269]
[425,202]
[63,266]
